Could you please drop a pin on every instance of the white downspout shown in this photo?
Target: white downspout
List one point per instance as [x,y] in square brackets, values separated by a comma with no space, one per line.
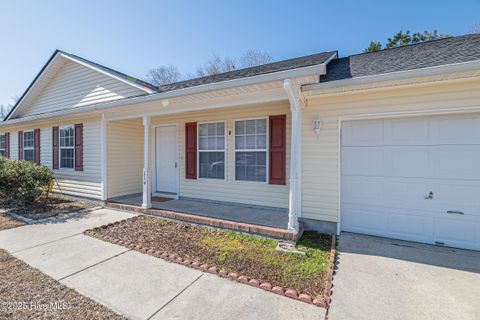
[296,106]
[147,186]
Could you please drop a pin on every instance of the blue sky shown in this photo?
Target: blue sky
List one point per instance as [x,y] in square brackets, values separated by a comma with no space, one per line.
[134,36]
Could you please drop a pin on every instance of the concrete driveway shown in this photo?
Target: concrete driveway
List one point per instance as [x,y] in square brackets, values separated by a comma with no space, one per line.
[137,285]
[386,279]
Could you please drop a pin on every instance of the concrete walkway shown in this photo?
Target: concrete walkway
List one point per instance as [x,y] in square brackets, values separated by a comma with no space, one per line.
[137,285]
[386,279]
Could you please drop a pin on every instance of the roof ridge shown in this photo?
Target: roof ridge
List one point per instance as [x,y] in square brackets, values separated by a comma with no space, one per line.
[241,70]
[415,44]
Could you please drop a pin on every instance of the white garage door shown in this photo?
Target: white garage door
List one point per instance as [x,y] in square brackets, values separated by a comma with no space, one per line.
[413,179]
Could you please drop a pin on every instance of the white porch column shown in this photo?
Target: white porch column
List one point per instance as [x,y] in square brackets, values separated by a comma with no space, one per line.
[296,106]
[147,183]
[103,156]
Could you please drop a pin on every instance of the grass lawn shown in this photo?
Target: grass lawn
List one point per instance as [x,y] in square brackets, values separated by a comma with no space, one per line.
[246,255]
[26,293]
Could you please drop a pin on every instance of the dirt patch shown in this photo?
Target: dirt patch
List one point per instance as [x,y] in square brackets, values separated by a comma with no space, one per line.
[54,205]
[7,222]
[26,293]
[246,255]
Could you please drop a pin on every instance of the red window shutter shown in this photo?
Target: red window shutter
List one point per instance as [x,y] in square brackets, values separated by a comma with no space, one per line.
[55,147]
[191,150]
[20,145]
[79,147]
[277,149]
[36,146]
[7,145]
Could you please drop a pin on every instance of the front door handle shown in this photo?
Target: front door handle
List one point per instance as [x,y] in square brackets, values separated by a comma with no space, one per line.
[176,164]
[429,196]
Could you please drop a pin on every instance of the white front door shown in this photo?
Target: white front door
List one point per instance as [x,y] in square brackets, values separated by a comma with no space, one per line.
[166,152]
[413,179]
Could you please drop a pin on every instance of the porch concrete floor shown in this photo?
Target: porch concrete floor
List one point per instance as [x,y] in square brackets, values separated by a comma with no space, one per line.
[268,217]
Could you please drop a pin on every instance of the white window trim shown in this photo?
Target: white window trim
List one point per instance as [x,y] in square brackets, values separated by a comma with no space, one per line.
[5,148]
[28,148]
[60,148]
[224,150]
[252,150]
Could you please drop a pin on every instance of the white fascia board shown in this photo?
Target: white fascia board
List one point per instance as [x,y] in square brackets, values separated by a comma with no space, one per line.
[319,69]
[133,84]
[309,89]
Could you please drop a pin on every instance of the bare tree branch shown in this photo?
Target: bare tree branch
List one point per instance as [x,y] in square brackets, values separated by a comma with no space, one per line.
[475,28]
[253,58]
[163,75]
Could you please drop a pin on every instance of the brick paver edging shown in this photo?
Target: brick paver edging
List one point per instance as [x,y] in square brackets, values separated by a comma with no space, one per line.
[219,223]
[321,301]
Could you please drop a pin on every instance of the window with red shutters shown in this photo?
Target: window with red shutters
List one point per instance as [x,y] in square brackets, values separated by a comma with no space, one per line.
[191,150]
[277,149]
[55,147]
[79,147]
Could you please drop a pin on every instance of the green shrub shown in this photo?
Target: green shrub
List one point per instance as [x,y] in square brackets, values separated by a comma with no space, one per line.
[23,182]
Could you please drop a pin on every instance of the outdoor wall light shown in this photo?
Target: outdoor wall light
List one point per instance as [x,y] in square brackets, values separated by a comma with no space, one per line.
[317,126]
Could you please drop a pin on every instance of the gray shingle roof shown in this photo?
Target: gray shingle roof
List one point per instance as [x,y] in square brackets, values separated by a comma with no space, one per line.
[422,55]
[283,65]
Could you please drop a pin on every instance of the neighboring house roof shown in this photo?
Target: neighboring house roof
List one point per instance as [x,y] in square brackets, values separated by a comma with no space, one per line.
[301,62]
[416,56]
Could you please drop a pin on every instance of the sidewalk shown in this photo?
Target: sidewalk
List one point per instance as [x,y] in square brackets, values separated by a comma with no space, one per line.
[137,285]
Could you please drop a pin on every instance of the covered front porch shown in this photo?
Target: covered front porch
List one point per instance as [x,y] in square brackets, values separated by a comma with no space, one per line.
[265,221]
[148,158]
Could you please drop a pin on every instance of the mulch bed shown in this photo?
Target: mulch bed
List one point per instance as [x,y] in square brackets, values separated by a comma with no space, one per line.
[54,205]
[7,222]
[26,293]
[230,253]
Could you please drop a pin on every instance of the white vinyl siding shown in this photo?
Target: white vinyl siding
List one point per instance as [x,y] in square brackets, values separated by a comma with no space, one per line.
[124,157]
[75,85]
[85,183]
[320,165]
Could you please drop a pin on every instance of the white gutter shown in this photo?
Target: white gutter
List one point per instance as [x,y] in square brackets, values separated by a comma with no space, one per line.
[398,75]
[319,69]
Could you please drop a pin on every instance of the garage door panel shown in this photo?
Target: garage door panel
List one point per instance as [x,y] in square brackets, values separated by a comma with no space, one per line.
[389,222]
[363,161]
[406,132]
[415,226]
[455,162]
[465,198]
[406,162]
[365,133]
[360,191]
[459,129]
[457,233]
[357,219]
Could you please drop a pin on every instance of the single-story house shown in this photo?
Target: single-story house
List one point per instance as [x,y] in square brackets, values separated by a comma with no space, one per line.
[384,143]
